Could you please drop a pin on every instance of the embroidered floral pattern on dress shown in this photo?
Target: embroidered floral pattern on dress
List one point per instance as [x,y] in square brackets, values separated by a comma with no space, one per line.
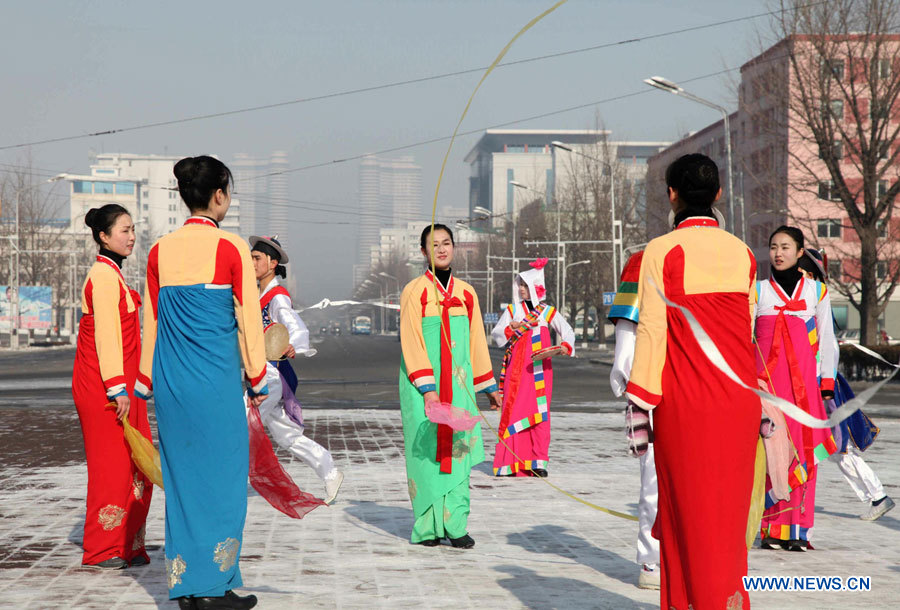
[138,543]
[110,516]
[226,554]
[735,602]
[137,487]
[462,447]
[174,569]
[412,488]
[446,514]
[460,374]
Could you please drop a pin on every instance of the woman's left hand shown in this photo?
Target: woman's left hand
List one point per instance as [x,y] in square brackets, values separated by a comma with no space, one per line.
[827,394]
[123,404]
[494,399]
[290,352]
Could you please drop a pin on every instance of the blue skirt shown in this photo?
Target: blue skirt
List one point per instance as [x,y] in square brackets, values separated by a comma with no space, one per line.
[203,438]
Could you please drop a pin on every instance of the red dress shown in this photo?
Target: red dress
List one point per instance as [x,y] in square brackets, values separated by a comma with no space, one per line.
[106,365]
[705,427]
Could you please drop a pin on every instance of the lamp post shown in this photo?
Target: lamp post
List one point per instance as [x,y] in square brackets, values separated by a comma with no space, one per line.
[518,185]
[612,198]
[664,84]
[390,277]
[562,304]
[381,292]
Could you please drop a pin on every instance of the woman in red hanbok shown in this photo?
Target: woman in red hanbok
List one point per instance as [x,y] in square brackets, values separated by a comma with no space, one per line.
[705,427]
[106,365]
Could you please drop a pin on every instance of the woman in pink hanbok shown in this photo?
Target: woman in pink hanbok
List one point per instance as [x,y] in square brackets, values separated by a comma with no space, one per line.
[795,337]
[527,379]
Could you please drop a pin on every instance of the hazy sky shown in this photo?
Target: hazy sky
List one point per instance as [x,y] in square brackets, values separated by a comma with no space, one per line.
[77,67]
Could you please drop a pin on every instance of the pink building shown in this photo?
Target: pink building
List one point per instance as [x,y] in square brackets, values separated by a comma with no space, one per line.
[778,172]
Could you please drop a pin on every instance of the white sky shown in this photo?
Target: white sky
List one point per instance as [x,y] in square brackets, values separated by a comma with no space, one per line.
[78,67]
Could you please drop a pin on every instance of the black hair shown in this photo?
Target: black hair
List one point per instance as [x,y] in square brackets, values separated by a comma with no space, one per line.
[101,220]
[199,178]
[792,232]
[273,254]
[437,226]
[807,263]
[696,179]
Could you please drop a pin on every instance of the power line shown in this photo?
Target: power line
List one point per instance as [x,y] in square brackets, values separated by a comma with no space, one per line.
[406,82]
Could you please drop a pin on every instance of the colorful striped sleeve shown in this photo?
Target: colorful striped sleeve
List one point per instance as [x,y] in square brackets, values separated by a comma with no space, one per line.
[143,387]
[645,384]
[482,371]
[105,293]
[412,339]
[626,304]
[234,266]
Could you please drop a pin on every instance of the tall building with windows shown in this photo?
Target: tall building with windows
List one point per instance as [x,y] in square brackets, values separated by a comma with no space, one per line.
[278,205]
[390,195]
[251,187]
[526,156]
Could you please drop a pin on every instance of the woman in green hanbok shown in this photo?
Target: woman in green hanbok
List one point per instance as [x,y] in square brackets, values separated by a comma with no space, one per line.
[445,360]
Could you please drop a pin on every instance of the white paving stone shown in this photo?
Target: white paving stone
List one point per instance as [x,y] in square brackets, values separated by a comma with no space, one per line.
[535,547]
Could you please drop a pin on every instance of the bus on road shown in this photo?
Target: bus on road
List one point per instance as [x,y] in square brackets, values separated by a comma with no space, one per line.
[362,325]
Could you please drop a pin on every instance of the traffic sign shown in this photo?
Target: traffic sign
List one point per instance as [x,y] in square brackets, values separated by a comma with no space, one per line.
[608,298]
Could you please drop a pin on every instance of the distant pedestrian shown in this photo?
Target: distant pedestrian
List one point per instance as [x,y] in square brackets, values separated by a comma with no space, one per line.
[106,368]
[524,330]
[201,323]
[445,360]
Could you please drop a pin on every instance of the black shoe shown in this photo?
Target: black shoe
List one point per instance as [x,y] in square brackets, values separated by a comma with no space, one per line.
[113,563]
[771,544]
[229,601]
[139,560]
[463,542]
[432,542]
[539,472]
[186,603]
[796,545]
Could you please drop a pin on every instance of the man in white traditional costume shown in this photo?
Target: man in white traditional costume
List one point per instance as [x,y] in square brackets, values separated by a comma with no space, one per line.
[280,411]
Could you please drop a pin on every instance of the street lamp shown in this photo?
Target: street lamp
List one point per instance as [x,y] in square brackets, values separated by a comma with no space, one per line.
[664,84]
[612,196]
[390,277]
[562,305]
[518,185]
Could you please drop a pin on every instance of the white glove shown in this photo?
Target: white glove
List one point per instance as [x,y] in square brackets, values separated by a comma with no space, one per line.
[624,356]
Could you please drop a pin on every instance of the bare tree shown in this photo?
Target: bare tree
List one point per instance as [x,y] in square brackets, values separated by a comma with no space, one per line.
[46,249]
[842,117]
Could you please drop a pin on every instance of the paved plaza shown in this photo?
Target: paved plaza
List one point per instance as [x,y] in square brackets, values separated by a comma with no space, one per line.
[535,547]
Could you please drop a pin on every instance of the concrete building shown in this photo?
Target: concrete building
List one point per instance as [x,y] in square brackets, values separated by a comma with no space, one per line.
[778,171]
[526,156]
[390,195]
[252,189]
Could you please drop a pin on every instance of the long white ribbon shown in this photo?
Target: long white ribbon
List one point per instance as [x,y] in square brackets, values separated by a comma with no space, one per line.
[715,356]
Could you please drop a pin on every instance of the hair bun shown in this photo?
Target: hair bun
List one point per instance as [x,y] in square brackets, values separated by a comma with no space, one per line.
[90,217]
[186,170]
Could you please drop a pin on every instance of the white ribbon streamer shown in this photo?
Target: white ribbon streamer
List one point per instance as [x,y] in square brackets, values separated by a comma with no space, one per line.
[715,356]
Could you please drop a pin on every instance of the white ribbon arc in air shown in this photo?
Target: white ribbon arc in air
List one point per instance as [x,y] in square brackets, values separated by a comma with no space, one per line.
[715,356]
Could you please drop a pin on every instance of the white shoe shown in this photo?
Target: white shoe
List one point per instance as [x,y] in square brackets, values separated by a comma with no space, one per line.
[649,578]
[875,512]
[332,486]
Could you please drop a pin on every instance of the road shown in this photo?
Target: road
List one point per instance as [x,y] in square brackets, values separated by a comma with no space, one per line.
[349,372]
